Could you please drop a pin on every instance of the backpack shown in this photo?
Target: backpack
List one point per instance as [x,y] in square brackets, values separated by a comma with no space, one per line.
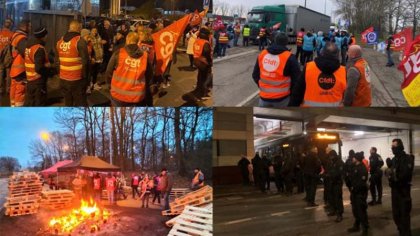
[6,58]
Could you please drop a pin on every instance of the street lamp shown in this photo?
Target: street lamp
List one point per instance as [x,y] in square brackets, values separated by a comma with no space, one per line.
[45,136]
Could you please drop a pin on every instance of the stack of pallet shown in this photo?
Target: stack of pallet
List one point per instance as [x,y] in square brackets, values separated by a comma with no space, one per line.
[199,197]
[197,221]
[24,194]
[57,199]
[178,192]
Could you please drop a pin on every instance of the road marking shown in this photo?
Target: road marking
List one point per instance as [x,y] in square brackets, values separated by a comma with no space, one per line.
[239,221]
[280,213]
[234,198]
[234,56]
[248,99]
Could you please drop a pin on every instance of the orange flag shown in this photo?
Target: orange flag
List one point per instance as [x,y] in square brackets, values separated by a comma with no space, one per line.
[196,18]
[166,41]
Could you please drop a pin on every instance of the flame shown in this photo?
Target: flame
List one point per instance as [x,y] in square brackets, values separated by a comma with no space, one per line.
[88,211]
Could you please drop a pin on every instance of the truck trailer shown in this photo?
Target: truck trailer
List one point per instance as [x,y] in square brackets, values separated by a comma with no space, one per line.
[291,17]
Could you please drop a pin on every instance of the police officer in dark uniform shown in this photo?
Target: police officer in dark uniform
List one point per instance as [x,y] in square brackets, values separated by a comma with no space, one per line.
[311,167]
[358,195]
[278,164]
[256,169]
[266,168]
[376,164]
[299,173]
[348,166]
[326,165]
[287,173]
[243,166]
[336,185]
[400,174]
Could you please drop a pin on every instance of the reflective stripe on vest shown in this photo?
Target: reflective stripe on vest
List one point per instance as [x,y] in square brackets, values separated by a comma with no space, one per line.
[247,32]
[223,38]
[199,47]
[273,84]
[18,65]
[363,95]
[31,74]
[128,81]
[70,60]
[262,33]
[299,38]
[324,90]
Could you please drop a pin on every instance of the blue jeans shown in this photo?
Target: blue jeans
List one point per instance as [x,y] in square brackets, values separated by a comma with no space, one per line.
[262,43]
[282,104]
[166,200]
[235,40]
[389,54]
[110,196]
[222,49]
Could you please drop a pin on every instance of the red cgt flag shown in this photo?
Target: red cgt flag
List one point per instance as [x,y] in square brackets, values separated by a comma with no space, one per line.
[166,41]
[410,65]
[196,19]
[366,32]
[402,39]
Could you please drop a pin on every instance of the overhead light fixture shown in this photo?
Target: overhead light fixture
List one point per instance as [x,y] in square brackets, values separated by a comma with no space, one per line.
[305,133]
[358,133]
[286,145]
[321,129]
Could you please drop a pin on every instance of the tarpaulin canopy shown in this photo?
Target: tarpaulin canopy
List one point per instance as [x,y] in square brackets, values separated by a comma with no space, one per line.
[89,163]
[53,169]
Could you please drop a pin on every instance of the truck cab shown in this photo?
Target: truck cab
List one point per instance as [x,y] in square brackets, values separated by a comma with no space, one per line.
[265,16]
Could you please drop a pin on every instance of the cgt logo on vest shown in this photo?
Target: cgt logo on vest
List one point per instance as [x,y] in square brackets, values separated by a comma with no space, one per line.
[4,40]
[65,46]
[132,62]
[326,82]
[271,62]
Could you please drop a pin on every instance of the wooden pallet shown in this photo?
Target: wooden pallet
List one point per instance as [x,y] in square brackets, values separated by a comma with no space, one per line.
[199,197]
[57,199]
[193,221]
[20,212]
[21,208]
[22,198]
[179,192]
[172,221]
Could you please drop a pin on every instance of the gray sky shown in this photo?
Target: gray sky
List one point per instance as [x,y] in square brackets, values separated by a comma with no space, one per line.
[316,5]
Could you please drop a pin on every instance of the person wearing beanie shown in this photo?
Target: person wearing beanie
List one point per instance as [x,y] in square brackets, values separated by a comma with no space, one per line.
[119,41]
[275,73]
[358,195]
[38,69]
[203,61]
[336,178]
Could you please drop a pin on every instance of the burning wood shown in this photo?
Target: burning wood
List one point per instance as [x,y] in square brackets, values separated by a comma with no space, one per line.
[88,217]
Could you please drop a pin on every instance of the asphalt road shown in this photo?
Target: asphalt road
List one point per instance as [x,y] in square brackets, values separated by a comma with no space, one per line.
[245,211]
[234,85]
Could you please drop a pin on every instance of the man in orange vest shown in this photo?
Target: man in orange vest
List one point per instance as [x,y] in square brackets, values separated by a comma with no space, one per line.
[299,45]
[223,42]
[323,81]
[275,73]
[129,73]
[17,71]
[73,64]
[358,92]
[5,39]
[203,61]
[38,69]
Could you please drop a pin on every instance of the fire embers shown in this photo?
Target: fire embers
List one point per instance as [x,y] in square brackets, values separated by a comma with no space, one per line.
[87,218]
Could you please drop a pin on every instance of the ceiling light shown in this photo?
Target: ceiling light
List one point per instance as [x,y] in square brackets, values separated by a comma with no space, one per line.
[358,133]
[321,129]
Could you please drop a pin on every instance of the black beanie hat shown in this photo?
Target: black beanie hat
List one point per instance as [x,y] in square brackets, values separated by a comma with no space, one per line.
[40,32]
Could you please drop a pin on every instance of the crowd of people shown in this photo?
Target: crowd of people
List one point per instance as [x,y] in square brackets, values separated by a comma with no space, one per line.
[306,170]
[86,58]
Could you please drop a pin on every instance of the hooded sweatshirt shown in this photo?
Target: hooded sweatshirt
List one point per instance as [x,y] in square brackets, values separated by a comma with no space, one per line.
[83,53]
[292,68]
[39,59]
[327,64]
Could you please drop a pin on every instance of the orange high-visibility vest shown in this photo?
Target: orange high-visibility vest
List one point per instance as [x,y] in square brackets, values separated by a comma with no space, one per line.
[223,38]
[31,74]
[110,183]
[5,38]
[299,38]
[366,163]
[273,83]
[128,81]
[324,90]
[18,65]
[70,60]
[363,96]
[199,47]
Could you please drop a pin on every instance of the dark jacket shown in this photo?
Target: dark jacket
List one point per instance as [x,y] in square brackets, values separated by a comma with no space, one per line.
[108,36]
[83,52]
[348,168]
[311,165]
[328,65]
[291,69]
[135,52]
[337,170]
[39,59]
[358,179]
[257,165]
[375,162]
[243,164]
[389,43]
[288,167]
[118,44]
[402,166]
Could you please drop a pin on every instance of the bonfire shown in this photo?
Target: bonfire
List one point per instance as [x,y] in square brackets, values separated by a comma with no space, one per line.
[88,217]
